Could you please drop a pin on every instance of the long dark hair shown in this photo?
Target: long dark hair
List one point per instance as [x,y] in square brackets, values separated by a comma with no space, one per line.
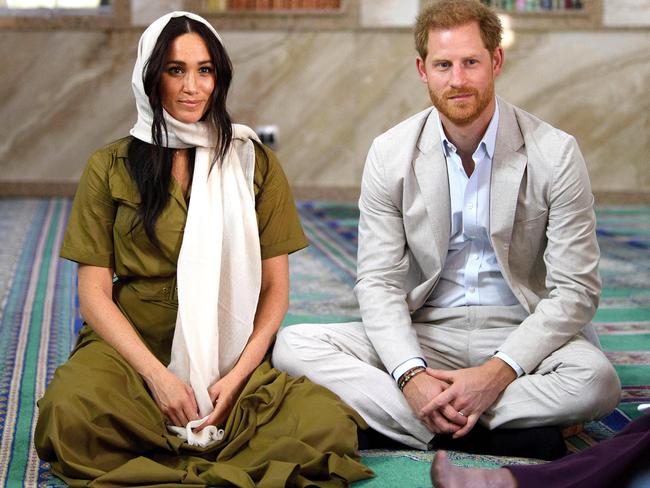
[151,164]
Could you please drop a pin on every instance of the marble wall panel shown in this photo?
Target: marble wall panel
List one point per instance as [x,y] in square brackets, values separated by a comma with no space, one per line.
[144,12]
[64,94]
[336,92]
[329,93]
[389,13]
[626,13]
[593,85]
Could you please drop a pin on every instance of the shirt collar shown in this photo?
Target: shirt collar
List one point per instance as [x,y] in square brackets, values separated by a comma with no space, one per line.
[488,142]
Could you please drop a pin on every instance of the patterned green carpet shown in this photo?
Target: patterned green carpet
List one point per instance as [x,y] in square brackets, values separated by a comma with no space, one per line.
[38,322]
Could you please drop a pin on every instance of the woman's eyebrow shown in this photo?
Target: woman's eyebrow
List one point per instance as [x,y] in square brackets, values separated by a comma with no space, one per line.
[174,61]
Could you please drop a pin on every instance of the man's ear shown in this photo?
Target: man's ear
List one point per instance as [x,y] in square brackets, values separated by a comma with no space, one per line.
[422,72]
[498,57]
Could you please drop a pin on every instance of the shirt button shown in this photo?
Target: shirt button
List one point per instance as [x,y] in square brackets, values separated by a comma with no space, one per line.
[475,256]
[472,289]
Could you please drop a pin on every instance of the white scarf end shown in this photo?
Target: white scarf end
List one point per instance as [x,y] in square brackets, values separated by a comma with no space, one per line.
[208,436]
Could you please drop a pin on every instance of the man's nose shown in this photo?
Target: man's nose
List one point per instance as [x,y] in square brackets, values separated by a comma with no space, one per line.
[457,76]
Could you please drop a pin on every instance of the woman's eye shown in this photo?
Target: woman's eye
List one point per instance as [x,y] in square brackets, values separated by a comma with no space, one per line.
[175,70]
[205,69]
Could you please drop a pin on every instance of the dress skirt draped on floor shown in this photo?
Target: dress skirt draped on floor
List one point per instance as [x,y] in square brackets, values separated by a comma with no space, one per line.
[104,426]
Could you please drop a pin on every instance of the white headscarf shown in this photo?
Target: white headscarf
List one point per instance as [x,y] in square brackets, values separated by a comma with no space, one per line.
[219,266]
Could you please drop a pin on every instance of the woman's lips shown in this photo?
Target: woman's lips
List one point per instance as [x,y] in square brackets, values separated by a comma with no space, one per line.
[190,103]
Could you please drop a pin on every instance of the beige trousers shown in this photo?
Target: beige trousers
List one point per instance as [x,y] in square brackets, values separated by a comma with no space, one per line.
[575,383]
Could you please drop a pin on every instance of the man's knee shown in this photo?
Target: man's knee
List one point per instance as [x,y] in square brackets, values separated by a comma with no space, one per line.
[600,390]
[287,354]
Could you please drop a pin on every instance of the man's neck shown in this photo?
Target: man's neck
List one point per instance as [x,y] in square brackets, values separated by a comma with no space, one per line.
[467,137]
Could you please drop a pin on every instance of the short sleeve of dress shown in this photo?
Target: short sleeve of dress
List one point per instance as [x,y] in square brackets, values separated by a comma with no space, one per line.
[277,218]
[89,236]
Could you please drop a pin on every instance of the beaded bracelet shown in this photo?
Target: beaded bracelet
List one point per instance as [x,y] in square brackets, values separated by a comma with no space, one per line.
[408,376]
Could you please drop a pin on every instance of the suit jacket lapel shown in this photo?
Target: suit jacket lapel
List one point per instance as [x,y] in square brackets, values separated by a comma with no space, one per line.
[430,169]
[508,166]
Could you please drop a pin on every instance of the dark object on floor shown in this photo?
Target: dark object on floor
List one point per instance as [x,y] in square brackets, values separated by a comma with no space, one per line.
[614,462]
[371,439]
[537,442]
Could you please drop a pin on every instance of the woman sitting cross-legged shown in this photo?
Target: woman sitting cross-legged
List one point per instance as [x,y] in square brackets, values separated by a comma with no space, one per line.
[182,232]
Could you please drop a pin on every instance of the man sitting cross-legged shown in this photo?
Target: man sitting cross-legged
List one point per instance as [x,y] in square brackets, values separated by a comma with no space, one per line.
[477,258]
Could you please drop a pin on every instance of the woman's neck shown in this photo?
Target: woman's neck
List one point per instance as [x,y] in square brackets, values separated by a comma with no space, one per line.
[181,168]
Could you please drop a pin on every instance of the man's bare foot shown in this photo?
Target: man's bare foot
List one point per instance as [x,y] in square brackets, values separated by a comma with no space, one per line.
[446,475]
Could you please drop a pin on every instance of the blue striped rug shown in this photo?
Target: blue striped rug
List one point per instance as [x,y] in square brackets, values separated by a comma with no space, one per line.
[38,319]
[35,329]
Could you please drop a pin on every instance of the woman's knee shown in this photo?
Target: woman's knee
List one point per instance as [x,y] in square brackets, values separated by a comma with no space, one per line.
[78,395]
[61,415]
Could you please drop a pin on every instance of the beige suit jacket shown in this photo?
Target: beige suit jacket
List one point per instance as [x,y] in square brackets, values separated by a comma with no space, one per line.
[542,229]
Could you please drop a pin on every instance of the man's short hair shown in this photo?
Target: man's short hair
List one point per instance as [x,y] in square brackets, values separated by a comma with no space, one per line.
[446,14]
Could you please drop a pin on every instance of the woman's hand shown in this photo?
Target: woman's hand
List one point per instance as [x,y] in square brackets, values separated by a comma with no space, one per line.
[174,398]
[224,394]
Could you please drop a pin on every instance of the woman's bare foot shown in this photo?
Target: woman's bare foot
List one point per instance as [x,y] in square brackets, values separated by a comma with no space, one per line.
[446,475]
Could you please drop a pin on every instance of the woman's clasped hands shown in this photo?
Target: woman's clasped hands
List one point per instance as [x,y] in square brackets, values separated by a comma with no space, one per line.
[177,402]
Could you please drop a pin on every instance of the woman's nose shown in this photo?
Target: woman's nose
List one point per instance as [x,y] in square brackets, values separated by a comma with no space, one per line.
[189,85]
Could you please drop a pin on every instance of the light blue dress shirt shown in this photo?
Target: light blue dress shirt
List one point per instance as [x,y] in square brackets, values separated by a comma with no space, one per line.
[471,274]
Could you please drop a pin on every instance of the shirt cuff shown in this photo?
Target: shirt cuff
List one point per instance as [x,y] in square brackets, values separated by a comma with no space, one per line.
[406,365]
[510,362]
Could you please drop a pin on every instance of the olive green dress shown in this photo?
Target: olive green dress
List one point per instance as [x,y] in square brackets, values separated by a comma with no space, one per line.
[98,424]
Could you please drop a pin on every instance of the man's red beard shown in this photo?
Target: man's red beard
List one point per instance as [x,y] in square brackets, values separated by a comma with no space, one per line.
[462,113]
